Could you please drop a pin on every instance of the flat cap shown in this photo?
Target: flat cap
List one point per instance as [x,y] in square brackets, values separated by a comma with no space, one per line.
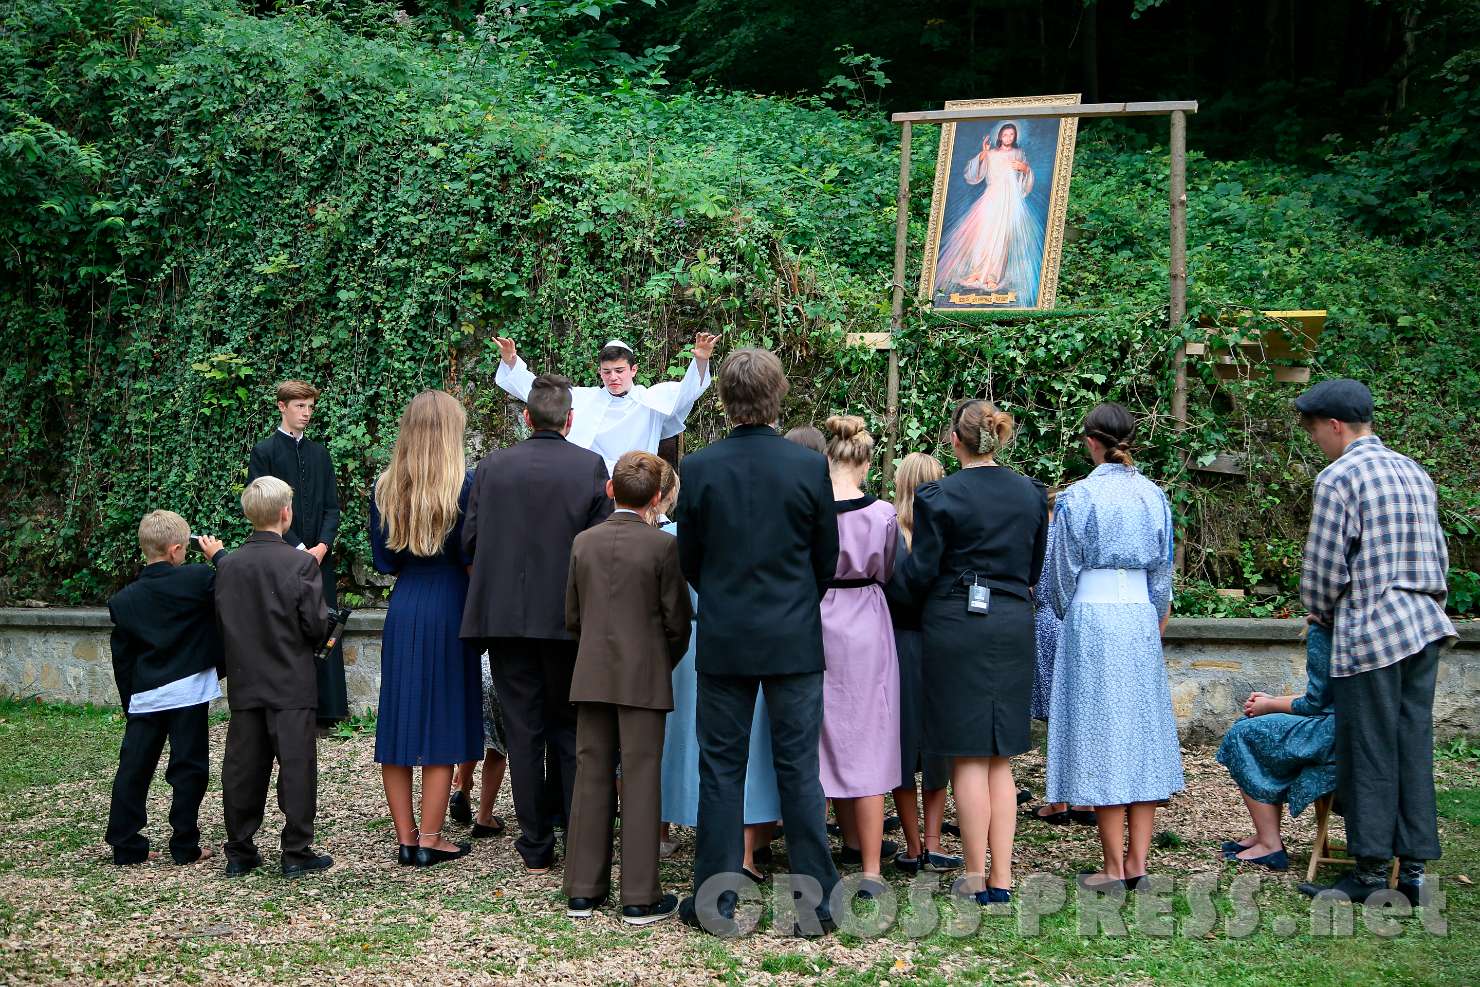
[1342,399]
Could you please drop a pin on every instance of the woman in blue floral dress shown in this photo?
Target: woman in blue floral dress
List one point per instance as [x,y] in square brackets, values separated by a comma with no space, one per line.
[1112,738]
[1283,752]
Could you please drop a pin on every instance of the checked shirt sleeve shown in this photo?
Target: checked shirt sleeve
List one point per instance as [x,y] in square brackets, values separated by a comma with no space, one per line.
[1325,574]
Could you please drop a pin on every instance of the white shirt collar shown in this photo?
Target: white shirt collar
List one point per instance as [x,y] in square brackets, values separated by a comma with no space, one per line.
[295,438]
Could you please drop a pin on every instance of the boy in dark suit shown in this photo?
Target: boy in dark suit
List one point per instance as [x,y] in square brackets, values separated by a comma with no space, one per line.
[271,606]
[628,606]
[167,661]
[527,505]
[304,465]
[758,540]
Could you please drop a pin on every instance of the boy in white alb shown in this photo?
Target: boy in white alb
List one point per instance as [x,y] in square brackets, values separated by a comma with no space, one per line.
[619,416]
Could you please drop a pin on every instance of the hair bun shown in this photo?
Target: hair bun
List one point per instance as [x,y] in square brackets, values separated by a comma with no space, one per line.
[845,427]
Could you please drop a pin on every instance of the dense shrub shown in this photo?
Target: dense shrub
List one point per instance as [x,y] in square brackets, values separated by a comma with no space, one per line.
[195,202]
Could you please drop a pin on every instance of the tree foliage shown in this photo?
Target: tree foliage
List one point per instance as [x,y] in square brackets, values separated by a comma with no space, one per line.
[196,201]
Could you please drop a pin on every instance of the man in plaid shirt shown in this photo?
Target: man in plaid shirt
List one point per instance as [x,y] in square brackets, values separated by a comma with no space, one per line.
[1374,569]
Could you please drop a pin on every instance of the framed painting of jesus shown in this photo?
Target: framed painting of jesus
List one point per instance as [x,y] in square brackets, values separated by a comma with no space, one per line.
[997,213]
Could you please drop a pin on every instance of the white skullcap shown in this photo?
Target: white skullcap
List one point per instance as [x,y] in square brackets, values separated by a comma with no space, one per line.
[618,343]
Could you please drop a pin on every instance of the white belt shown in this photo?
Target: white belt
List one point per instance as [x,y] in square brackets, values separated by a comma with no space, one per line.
[1112,586]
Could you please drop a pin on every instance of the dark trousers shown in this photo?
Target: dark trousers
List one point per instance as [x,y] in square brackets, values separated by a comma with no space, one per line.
[532,678]
[603,731]
[1385,759]
[254,739]
[725,710]
[187,730]
[333,693]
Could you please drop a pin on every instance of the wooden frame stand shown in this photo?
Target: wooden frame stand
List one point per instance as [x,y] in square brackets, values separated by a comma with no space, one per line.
[1177,286]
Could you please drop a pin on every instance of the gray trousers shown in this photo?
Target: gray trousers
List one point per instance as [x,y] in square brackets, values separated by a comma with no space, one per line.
[1385,759]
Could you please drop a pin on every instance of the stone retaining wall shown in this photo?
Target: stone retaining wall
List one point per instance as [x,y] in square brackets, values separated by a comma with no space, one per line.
[62,654]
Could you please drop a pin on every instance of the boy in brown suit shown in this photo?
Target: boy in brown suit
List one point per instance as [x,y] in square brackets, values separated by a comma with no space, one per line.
[628,606]
[270,602]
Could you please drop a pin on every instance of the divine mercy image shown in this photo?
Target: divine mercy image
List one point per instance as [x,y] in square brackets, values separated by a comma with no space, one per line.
[997,216]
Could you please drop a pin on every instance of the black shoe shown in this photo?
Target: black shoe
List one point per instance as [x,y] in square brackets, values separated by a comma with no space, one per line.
[482,832]
[1417,892]
[1023,797]
[236,867]
[665,907]
[833,829]
[1084,817]
[950,829]
[688,911]
[892,824]
[430,856]
[406,854]
[321,862]
[763,856]
[1053,818]
[887,849]
[1354,890]
[754,877]
[907,865]
[583,907]
[460,808]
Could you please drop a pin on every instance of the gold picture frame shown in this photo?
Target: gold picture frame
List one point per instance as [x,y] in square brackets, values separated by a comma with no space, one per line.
[1002,249]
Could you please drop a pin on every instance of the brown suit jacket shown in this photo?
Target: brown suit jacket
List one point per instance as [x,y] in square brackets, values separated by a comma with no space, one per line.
[270,602]
[627,604]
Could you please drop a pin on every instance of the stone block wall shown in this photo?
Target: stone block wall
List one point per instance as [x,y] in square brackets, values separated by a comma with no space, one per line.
[62,654]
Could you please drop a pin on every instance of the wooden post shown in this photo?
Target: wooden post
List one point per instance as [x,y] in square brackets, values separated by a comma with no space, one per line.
[1178,286]
[896,320]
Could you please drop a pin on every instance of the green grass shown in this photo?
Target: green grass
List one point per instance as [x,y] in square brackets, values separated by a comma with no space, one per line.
[371,923]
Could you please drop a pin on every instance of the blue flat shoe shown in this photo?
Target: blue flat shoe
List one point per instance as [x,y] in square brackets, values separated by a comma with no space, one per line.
[994,896]
[1277,861]
[1233,846]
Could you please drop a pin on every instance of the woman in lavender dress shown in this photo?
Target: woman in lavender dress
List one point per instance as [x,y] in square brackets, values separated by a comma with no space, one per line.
[859,747]
[1112,738]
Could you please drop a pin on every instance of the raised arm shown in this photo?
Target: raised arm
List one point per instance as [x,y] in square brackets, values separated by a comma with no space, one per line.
[513,376]
[675,399]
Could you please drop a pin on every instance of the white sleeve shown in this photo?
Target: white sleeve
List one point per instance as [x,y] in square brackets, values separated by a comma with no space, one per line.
[675,399]
[516,379]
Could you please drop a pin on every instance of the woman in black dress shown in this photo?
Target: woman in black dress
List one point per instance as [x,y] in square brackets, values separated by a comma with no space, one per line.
[978,548]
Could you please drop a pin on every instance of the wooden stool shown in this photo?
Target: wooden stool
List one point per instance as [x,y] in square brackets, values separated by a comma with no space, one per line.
[1322,852]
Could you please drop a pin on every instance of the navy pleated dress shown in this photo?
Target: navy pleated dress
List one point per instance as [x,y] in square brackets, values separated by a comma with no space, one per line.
[431,691]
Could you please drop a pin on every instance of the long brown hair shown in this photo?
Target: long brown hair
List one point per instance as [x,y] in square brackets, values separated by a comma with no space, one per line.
[915,470]
[1113,427]
[417,494]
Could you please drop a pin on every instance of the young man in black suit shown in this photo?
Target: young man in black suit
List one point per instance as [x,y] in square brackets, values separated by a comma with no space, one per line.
[758,540]
[304,465]
[527,505]
[270,603]
[167,662]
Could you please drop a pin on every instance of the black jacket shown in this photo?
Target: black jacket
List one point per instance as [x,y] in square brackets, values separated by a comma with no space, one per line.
[305,466]
[164,627]
[758,541]
[270,602]
[528,503]
[989,521]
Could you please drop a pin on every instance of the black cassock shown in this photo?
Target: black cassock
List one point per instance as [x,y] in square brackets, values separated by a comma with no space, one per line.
[304,465]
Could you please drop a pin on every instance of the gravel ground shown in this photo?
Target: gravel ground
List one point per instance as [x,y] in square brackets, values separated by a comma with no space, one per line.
[70,916]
